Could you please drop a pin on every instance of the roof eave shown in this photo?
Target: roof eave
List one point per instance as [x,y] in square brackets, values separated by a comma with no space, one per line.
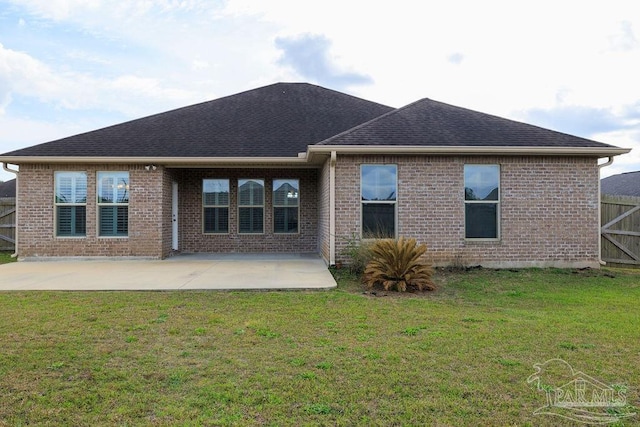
[468,150]
[167,161]
[308,157]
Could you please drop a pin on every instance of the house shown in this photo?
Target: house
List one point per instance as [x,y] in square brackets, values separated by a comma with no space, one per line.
[297,168]
[8,189]
[624,184]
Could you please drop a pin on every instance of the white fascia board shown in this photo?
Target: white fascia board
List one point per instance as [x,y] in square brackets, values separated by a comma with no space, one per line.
[325,150]
[469,150]
[168,161]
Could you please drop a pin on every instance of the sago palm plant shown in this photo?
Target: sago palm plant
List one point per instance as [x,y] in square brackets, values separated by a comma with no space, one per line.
[398,264]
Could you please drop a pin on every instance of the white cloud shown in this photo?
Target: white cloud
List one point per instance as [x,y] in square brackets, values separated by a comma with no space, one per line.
[624,39]
[23,75]
[19,132]
[628,138]
[309,55]
[198,64]
[496,56]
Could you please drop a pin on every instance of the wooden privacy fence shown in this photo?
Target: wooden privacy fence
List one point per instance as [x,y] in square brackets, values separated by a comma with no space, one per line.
[7,224]
[620,229]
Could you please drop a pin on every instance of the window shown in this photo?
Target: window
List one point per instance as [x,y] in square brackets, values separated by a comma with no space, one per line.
[215,202]
[286,193]
[113,203]
[250,206]
[481,201]
[378,191]
[71,203]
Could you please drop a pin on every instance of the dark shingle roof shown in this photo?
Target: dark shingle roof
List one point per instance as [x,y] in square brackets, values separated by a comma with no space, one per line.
[430,123]
[278,120]
[283,119]
[624,184]
[8,188]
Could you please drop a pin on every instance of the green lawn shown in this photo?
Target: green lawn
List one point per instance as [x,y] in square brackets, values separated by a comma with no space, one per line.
[458,356]
[5,257]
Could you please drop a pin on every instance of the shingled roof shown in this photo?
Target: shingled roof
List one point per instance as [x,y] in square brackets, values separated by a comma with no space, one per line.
[278,120]
[430,123]
[624,184]
[8,189]
[281,120]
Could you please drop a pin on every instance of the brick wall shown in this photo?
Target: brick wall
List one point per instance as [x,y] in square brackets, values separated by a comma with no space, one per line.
[192,238]
[548,209]
[323,211]
[36,226]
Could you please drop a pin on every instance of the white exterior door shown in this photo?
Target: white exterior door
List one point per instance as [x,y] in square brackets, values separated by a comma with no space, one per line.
[174,216]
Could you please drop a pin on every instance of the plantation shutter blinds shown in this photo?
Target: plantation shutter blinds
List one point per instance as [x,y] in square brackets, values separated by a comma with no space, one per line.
[113,203]
[215,201]
[65,189]
[70,201]
[107,218]
[251,206]
[285,205]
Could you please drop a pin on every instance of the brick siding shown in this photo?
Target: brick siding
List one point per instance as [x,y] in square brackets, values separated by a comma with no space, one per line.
[323,211]
[192,238]
[548,209]
[36,226]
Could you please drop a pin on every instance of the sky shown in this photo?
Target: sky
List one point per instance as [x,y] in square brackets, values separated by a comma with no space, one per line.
[71,66]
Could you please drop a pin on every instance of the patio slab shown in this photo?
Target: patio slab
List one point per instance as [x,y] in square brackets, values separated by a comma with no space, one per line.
[182,272]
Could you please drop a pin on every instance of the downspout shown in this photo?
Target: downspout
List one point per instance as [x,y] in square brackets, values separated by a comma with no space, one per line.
[15,172]
[332,208]
[607,163]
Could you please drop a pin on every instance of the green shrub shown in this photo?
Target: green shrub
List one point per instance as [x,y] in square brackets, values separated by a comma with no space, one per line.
[398,264]
[357,253]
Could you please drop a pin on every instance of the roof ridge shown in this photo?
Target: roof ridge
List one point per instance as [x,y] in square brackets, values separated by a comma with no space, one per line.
[361,125]
[335,91]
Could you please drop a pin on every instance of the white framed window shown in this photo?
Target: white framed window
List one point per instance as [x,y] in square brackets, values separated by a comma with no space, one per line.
[70,204]
[378,195]
[286,206]
[215,206]
[250,206]
[482,202]
[113,204]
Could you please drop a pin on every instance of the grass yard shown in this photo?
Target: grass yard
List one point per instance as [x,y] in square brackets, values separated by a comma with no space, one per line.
[459,356]
[5,257]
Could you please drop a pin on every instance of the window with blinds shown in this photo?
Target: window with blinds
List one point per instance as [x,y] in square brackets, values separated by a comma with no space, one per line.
[70,204]
[251,206]
[482,201]
[378,193]
[286,196]
[215,205]
[113,204]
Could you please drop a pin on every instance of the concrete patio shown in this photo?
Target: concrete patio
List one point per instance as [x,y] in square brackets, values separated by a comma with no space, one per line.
[181,272]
